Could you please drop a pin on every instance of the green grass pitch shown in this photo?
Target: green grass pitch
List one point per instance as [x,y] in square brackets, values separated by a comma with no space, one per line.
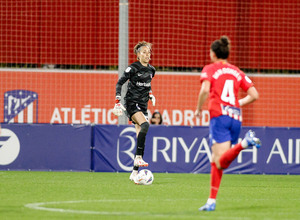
[83,195]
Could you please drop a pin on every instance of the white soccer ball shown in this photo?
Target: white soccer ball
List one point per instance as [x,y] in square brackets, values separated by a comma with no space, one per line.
[144,177]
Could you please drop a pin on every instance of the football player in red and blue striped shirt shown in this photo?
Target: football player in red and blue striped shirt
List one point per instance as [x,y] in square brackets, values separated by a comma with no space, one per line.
[221,82]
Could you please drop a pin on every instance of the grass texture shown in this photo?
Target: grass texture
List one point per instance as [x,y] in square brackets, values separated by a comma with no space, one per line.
[83,195]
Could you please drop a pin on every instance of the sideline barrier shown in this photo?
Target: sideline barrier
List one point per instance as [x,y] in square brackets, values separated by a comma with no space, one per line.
[45,147]
[178,149]
[182,149]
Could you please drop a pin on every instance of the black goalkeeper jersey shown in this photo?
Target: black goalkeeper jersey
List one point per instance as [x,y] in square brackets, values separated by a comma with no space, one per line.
[139,84]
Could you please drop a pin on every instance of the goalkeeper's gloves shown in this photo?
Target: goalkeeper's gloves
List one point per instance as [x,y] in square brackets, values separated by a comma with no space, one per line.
[152,97]
[119,108]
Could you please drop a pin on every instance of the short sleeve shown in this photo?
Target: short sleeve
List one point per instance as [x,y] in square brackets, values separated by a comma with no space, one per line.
[246,82]
[205,74]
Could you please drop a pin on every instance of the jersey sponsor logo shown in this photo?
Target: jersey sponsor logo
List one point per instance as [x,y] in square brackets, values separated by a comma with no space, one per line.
[9,147]
[20,106]
[143,84]
[232,112]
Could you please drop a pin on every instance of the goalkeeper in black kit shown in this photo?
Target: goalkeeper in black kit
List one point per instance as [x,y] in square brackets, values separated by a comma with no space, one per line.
[139,76]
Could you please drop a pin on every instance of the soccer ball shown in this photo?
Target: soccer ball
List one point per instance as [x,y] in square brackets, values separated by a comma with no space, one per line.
[144,177]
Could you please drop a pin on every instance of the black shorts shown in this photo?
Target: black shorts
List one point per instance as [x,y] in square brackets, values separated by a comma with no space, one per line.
[132,108]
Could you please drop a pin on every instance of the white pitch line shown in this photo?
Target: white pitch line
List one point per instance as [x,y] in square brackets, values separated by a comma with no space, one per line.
[41,206]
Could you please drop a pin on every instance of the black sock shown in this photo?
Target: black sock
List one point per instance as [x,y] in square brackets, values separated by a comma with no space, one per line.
[141,143]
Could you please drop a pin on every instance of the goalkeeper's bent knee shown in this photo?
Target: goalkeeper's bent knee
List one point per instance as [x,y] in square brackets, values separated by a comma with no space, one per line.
[145,127]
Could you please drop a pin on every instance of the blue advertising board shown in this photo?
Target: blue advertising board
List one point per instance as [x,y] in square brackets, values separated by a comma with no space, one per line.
[111,148]
[45,147]
[182,149]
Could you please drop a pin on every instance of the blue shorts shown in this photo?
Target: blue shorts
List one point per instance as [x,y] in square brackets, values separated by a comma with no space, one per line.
[224,128]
